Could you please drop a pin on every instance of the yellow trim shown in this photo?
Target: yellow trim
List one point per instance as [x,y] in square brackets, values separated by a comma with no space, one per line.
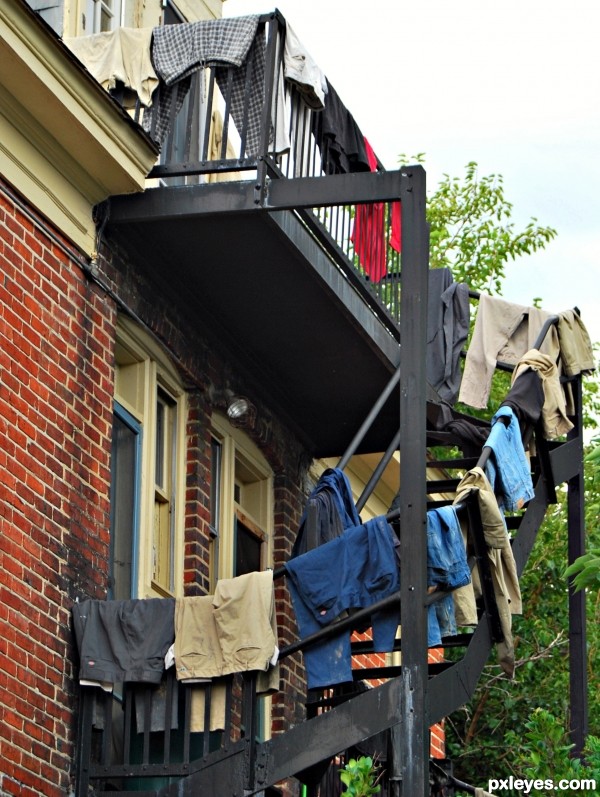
[66,144]
[237,446]
[196,10]
[137,392]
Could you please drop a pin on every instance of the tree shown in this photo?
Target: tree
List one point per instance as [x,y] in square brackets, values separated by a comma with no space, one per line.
[471,229]
[586,569]
[543,756]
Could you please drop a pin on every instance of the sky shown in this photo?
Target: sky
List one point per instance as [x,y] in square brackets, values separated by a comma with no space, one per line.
[514,86]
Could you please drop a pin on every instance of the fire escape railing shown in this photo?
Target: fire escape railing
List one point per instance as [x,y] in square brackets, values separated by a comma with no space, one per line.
[204,145]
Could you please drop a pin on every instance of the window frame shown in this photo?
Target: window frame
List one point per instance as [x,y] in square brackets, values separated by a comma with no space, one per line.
[95,8]
[136,428]
[237,449]
[143,372]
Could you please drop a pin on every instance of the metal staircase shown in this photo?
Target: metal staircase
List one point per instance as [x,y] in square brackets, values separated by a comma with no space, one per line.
[414,695]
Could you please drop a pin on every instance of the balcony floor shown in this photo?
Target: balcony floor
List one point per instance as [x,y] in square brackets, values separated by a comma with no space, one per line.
[260,286]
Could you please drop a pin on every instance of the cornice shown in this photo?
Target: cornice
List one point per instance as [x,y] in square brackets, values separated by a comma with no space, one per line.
[63,125]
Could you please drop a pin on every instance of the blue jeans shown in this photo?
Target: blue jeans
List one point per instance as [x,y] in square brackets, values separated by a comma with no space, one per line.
[507,469]
[335,509]
[352,571]
[447,568]
[441,621]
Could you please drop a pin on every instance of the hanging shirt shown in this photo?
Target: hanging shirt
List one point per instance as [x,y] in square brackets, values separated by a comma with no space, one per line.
[503,332]
[368,233]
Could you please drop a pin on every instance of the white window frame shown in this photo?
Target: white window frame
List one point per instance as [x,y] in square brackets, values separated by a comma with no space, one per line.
[114,9]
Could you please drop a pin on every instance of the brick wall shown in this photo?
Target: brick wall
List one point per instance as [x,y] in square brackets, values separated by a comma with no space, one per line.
[55,399]
[57,333]
[204,365]
[437,734]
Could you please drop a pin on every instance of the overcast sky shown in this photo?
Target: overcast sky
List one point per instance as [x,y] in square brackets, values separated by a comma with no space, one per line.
[514,86]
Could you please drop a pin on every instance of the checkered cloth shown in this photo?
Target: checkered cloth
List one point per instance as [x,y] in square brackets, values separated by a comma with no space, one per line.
[234,45]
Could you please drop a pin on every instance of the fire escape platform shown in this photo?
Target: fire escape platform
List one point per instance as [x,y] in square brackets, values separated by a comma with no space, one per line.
[268,292]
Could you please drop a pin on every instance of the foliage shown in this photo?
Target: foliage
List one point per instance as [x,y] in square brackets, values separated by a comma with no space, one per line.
[479,735]
[586,569]
[359,776]
[471,231]
[543,753]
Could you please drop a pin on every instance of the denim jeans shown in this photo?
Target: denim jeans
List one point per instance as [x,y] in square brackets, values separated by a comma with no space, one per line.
[352,571]
[507,469]
[335,509]
[441,621]
[447,568]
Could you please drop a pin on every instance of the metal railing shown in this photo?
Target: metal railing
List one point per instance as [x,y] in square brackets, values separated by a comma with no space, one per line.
[217,136]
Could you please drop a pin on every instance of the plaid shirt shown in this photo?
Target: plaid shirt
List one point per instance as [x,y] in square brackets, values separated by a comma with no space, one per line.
[225,44]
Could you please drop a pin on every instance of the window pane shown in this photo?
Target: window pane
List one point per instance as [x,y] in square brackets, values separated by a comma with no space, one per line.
[247,550]
[123,498]
[159,469]
[163,573]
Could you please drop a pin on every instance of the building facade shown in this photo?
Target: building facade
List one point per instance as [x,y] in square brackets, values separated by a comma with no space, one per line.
[181,357]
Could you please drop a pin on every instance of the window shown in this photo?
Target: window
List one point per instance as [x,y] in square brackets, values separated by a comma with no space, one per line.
[124,503]
[103,16]
[241,504]
[241,515]
[147,492]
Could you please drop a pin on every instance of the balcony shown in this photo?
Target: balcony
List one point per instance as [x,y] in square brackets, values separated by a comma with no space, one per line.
[264,239]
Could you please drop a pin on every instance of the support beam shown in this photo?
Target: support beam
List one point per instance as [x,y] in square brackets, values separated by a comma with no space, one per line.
[410,766]
[577,613]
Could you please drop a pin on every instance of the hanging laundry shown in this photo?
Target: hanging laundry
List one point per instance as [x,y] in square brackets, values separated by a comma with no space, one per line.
[448,316]
[338,137]
[123,641]
[227,45]
[526,396]
[352,571]
[121,55]
[454,428]
[507,590]
[503,332]
[335,508]
[507,468]
[447,569]
[300,69]
[232,631]
[554,409]
[368,232]
[576,352]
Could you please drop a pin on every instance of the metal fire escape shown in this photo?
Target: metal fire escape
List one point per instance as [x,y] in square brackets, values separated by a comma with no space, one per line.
[414,695]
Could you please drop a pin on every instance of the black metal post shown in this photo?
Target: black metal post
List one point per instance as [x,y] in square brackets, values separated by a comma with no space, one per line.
[577,615]
[411,753]
[84,740]
[270,68]
[368,422]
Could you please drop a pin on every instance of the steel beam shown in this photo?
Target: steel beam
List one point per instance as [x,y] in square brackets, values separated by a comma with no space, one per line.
[410,776]
[577,612]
